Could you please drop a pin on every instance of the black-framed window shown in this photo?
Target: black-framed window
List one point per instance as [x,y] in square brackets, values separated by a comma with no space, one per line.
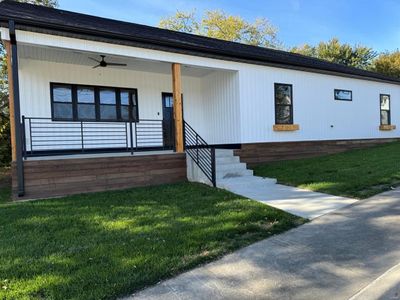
[62,104]
[343,95]
[73,102]
[283,103]
[385,109]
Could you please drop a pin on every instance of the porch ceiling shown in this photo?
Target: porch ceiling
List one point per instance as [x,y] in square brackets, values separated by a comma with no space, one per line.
[81,58]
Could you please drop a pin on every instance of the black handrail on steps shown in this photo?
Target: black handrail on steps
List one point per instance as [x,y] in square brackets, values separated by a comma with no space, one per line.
[201,152]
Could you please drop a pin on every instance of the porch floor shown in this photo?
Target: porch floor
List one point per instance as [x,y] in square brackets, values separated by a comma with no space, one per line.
[100,155]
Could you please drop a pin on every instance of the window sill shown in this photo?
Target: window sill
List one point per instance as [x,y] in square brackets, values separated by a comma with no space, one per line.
[387,127]
[286,127]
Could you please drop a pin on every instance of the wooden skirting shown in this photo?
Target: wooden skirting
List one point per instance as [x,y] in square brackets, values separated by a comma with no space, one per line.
[49,178]
[258,153]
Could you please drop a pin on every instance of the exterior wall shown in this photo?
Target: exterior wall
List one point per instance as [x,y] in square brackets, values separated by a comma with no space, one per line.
[259,153]
[48,178]
[315,109]
[221,108]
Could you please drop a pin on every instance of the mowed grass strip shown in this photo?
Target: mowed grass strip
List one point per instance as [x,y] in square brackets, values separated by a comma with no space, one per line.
[110,244]
[358,173]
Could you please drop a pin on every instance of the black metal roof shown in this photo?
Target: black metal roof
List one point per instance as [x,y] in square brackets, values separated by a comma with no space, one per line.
[33,17]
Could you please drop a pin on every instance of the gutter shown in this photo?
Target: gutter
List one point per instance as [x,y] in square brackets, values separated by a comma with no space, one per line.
[17,110]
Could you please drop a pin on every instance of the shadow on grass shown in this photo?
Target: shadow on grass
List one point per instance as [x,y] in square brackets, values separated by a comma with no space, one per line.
[104,245]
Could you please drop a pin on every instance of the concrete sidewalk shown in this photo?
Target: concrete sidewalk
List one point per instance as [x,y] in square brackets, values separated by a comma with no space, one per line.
[340,256]
[300,202]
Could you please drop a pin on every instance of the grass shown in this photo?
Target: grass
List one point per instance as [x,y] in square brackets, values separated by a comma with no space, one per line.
[5,185]
[358,173]
[106,245]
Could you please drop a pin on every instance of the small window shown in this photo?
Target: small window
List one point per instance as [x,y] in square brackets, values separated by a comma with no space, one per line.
[343,95]
[283,104]
[86,106]
[385,109]
[62,102]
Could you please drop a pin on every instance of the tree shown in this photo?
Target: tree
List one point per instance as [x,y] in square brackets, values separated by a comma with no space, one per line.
[388,64]
[5,138]
[217,24]
[355,56]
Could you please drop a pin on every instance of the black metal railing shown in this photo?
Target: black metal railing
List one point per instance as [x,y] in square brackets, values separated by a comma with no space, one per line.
[201,153]
[41,135]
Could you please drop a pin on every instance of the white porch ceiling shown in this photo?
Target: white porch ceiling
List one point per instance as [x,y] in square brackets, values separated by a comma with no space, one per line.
[81,58]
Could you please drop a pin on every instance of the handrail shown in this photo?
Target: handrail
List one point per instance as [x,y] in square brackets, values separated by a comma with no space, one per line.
[201,152]
[45,135]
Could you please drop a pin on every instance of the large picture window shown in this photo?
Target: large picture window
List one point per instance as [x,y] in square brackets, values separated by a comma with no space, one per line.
[72,102]
[283,103]
[385,109]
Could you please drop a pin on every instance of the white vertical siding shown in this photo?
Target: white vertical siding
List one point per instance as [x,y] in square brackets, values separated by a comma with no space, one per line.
[221,107]
[320,116]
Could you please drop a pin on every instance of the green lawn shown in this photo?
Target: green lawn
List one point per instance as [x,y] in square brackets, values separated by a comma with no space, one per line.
[358,173]
[5,185]
[106,245]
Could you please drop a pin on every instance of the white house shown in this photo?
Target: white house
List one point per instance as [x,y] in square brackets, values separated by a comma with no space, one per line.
[103,104]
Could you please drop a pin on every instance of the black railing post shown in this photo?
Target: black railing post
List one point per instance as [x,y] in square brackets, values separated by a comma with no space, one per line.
[213,169]
[197,146]
[23,137]
[131,134]
[82,142]
[30,134]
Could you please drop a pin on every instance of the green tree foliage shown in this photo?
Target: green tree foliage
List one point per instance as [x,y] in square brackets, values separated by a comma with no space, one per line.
[388,64]
[355,56]
[218,24]
[5,139]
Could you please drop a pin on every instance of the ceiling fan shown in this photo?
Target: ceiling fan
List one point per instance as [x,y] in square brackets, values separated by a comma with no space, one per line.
[102,63]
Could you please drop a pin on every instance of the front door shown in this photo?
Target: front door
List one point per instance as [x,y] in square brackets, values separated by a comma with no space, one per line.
[168,120]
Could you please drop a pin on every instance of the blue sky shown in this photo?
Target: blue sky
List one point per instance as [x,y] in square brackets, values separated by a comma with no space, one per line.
[370,22]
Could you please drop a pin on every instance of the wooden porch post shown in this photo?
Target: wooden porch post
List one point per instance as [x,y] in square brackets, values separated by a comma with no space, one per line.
[11,101]
[178,117]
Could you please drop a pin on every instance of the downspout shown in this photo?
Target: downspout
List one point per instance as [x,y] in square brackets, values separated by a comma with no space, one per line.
[17,109]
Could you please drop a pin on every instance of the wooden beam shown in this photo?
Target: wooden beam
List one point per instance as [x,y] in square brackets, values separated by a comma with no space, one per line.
[11,101]
[178,112]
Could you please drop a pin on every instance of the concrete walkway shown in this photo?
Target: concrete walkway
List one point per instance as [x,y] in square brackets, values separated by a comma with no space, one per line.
[341,255]
[304,203]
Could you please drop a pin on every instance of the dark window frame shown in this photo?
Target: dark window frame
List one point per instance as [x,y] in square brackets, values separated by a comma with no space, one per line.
[387,110]
[338,99]
[291,122]
[133,105]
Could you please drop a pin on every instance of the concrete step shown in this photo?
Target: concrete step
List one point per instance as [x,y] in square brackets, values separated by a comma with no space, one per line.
[241,173]
[223,152]
[234,183]
[227,160]
[231,167]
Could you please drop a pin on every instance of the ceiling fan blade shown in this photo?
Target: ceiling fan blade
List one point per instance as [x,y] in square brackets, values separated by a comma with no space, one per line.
[94,59]
[116,64]
[96,67]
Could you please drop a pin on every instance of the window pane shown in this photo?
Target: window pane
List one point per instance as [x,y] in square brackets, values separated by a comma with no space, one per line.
[85,95]
[107,96]
[108,112]
[86,112]
[385,117]
[62,110]
[124,112]
[385,102]
[343,95]
[124,98]
[283,94]
[283,114]
[62,93]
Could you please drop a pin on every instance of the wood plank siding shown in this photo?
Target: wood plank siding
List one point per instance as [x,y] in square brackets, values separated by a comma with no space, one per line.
[48,178]
[258,153]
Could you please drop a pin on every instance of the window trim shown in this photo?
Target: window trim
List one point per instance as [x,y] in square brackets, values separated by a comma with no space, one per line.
[74,90]
[291,103]
[338,99]
[388,110]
